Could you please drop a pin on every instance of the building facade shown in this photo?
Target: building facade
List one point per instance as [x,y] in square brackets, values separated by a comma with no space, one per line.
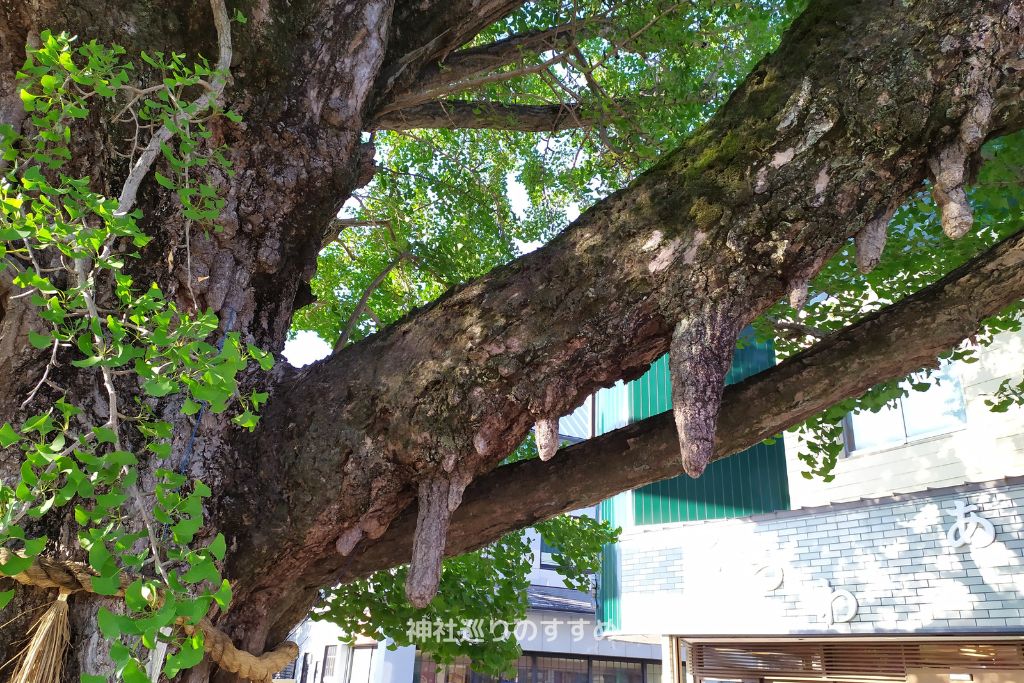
[907,567]
[561,641]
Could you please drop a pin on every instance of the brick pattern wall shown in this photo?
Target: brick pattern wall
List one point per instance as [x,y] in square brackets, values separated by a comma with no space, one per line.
[786,572]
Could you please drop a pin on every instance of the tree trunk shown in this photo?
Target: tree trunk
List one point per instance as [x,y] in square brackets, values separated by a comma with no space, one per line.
[296,158]
[823,137]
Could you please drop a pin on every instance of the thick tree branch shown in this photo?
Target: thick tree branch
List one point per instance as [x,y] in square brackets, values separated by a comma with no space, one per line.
[493,115]
[427,32]
[483,58]
[886,345]
[822,137]
[462,70]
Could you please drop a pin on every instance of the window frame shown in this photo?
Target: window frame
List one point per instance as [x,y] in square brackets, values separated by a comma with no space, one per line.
[532,657]
[850,448]
[330,662]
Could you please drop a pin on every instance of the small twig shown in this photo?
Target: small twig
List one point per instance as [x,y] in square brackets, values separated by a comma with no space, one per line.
[46,375]
[373,316]
[361,304]
[126,201]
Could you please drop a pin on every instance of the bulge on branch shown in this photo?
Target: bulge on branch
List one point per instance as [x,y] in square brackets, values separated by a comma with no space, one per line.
[699,359]
[951,165]
[439,495]
[546,433]
[798,293]
[870,241]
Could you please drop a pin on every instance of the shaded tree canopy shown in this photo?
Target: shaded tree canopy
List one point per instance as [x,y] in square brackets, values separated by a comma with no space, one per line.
[490,210]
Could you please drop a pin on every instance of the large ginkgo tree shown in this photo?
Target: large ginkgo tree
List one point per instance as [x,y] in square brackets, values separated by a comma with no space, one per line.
[488,209]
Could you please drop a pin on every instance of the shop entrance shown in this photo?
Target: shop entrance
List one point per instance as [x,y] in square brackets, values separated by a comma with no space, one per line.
[856,660]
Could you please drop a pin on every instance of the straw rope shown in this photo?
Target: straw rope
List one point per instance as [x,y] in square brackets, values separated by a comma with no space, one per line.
[72,577]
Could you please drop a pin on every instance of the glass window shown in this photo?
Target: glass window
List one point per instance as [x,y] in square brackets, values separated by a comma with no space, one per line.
[330,655]
[561,670]
[539,669]
[605,671]
[938,410]
[362,665]
[426,670]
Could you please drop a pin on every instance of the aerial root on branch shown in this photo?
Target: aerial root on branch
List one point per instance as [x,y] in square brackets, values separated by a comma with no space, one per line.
[547,437]
[870,241]
[439,496]
[798,293]
[950,166]
[699,359]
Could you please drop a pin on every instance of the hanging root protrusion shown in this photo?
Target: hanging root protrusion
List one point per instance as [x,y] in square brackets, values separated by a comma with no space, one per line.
[951,165]
[948,174]
[798,293]
[438,498]
[870,241]
[699,359]
[348,540]
[546,433]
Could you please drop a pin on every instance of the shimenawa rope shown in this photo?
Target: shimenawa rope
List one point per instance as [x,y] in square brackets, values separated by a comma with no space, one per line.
[73,577]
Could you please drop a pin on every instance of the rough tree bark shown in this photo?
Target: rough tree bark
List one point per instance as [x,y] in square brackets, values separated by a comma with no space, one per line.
[863,101]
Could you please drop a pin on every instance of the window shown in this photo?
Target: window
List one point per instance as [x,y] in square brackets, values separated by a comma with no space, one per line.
[914,416]
[607,671]
[426,670]
[305,668]
[561,670]
[330,656]
[536,668]
[362,665]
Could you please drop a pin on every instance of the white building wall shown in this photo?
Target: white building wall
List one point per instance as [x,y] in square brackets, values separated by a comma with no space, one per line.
[566,633]
[783,573]
[363,662]
[989,446]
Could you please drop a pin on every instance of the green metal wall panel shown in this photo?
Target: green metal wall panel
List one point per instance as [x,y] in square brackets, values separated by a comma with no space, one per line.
[747,483]
[608,608]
